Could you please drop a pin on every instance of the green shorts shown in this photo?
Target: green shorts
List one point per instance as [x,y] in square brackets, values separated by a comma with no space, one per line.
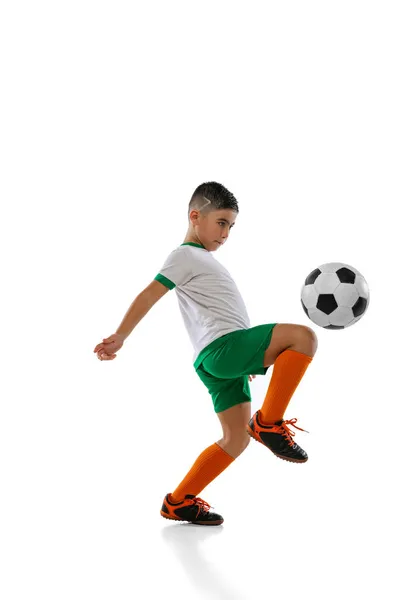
[224,365]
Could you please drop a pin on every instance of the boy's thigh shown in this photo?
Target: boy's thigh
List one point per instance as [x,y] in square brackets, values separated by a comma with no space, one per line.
[284,336]
[242,354]
[225,393]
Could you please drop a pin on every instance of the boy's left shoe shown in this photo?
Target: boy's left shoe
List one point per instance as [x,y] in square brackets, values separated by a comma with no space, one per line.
[277,437]
[192,509]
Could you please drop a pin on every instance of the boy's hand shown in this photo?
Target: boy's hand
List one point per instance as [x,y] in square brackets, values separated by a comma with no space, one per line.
[106,350]
[251,376]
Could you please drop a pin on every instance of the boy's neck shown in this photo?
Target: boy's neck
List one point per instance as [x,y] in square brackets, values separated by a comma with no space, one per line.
[189,238]
[197,244]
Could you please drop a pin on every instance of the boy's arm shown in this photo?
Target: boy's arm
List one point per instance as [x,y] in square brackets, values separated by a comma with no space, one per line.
[141,306]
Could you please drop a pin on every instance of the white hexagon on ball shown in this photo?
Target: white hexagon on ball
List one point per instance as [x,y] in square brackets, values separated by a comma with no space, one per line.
[318,317]
[346,294]
[326,283]
[342,316]
[309,295]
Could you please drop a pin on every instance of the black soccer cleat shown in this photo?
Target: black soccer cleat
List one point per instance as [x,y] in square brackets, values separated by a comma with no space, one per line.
[192,509]
[277,436]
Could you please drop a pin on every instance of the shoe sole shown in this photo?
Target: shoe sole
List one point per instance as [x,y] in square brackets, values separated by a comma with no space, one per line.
[295,460]
[192,522]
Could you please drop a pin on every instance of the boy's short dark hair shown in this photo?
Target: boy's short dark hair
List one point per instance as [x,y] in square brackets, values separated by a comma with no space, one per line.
[212,196]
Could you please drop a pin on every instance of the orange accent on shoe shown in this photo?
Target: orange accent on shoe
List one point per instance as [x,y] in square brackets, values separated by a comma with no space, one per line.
[272,427]
[187,502]
[201,504]
[280,442]
[283,428]
[203,516]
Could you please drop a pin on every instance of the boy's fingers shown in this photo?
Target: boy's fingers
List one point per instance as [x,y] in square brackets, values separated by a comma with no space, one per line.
[105,356]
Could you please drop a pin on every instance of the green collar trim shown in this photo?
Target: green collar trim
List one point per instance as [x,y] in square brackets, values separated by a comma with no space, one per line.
[193,244]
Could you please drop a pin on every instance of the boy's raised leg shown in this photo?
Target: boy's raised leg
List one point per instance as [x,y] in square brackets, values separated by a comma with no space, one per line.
[291,351]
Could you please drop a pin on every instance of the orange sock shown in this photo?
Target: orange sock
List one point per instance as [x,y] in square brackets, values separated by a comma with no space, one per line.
[211,462]
[289,369]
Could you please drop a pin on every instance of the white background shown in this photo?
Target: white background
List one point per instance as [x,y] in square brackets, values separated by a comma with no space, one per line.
[112,113]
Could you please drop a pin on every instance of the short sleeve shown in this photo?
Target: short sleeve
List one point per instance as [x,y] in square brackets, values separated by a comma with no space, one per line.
[176,270]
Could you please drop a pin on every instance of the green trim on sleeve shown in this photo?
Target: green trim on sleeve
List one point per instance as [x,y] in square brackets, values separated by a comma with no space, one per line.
[165,281]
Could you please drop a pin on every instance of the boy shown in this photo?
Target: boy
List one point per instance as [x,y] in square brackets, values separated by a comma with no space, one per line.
[228,352]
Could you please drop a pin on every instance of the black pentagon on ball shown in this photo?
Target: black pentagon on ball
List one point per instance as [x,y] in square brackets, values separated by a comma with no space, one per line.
[312,277]
[346,275]
[304,307]
[359,306]
[327,303]
[334,327]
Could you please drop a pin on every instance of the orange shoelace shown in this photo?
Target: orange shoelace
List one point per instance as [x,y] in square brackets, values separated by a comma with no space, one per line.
[202,504]
[287,432]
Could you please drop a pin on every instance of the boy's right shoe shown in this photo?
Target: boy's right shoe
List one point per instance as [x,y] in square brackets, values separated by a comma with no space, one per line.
[277,437]
[192,509]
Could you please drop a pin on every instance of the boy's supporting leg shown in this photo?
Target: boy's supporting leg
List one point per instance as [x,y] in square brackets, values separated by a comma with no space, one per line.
[211,462]
[219,456]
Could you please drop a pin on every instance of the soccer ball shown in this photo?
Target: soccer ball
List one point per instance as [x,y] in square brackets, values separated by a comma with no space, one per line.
[335,296]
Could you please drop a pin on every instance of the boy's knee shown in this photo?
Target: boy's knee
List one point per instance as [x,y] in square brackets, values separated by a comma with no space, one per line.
[235,443]
[244,442]
[308,336]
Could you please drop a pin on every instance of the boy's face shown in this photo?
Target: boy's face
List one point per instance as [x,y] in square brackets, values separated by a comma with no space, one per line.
[213,229]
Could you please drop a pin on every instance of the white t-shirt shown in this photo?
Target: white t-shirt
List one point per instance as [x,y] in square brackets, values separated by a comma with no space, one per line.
[209,300]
